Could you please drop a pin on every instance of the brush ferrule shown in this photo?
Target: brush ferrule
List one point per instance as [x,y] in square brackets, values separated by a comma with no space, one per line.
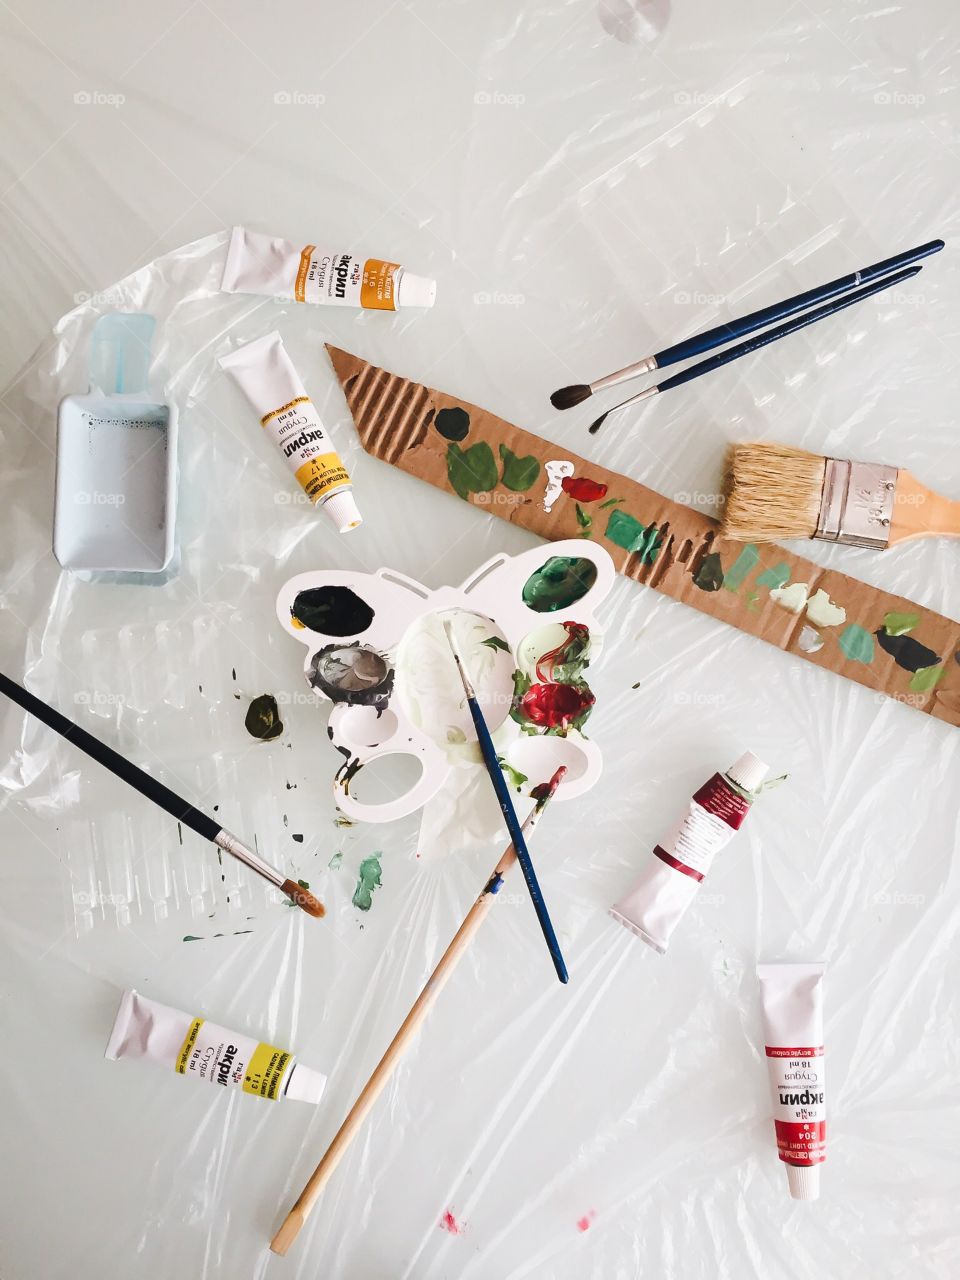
[237,849]
[623,375]
[857,503]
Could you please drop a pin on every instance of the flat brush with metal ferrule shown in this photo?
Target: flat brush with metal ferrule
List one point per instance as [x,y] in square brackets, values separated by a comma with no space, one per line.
[161,795]
[773,492]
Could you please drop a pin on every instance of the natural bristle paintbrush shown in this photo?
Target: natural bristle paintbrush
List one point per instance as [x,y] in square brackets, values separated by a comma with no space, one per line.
[411,1024]
[495,773]
[755,343]
[567,397]
[772,492]
[148,786]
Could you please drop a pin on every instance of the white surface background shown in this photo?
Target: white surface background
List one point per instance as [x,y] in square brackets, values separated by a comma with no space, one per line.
[582,199]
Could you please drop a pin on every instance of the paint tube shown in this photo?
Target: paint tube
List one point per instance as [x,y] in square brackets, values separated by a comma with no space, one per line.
[281,269]
[266,376]
[203,1051]
[792,999]
[674,871]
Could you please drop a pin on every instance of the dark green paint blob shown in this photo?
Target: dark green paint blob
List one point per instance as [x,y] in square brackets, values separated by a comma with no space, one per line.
[898,624]
[926,678]
[583,520]
[262,720]
[559,583]
[494,642]
[742,567]
[611,502]
[519,474]
[453,424]
[857,644]
[332,610]
[775,578]
[640,539]
[368,880]
[907,652]
[709,577]
[472,470]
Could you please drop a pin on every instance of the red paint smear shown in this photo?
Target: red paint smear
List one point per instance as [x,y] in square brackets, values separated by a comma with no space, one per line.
[553,706]
[449,1223]
[583,490]
[584,1223]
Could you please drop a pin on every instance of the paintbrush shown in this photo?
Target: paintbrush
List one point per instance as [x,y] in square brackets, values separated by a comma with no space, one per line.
[495,773]
[411,1024]
[567,397]
[148,786]
[754,344]
[772,491]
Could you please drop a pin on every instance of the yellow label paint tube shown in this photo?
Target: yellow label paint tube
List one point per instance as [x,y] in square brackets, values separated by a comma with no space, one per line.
[304,273]
[203,1051]
[266,376]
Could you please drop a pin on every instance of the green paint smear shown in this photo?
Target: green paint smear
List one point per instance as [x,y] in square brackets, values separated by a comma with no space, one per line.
[857,644]
[583,520]
[927,678]
[472,470]
[453,424]
[610,502]
[334,863]
[559,583]
[518,473]
[514,776]
[369,880]
[709,577]
[898,624]
[775,578]
[745,563]
[629,533]
[494,642]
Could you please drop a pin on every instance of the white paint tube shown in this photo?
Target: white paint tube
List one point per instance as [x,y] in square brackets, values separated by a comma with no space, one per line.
[267,377]
[201,1050]
[303,273]
[792,1000]
[676,868]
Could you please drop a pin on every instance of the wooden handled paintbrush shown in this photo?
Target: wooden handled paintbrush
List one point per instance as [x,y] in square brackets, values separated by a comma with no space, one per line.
[160,794]
[772,492]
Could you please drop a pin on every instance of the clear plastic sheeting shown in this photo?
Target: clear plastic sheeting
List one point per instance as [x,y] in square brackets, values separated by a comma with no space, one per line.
[587,183]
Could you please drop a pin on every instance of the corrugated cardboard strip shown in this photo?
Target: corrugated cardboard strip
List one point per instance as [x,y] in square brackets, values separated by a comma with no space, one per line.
[879,640]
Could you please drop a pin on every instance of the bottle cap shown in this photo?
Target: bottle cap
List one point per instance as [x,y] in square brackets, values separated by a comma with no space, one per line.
[343,511]
[305,1084]
[416,291]
[803,1181]
[748,772]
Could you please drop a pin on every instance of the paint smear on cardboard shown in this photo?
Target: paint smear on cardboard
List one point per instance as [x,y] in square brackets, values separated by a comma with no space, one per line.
[776,577]
[742,567]
[857,644]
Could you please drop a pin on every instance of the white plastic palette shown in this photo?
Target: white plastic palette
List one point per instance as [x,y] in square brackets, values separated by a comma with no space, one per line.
[376,649]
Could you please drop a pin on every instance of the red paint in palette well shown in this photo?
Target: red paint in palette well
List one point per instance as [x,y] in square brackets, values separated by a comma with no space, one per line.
[449,1223]
[583,490]
[584,1223]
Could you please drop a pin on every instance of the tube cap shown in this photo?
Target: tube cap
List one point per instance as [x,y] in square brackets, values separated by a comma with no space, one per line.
[748,772]
[416,291]
[803,1181]
[305,1084]
[342,509]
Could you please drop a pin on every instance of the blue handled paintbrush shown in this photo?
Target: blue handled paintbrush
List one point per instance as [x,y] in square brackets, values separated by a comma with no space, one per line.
[489,753]
[700,343]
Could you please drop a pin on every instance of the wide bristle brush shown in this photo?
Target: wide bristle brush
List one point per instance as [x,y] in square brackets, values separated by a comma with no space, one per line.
[774,492]
[161,795]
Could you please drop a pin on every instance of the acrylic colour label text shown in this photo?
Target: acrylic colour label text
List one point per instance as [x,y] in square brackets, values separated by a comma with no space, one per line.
[222,1057]
[714,814]
[340,279]
[798,1103]
[303,441]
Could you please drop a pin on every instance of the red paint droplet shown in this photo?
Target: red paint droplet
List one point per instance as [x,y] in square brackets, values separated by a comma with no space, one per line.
[583,490]
[449,1223]
[554,706]
[584,1223]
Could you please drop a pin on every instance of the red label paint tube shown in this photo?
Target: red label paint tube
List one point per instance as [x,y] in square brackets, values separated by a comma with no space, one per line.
[672,875]
[792,998]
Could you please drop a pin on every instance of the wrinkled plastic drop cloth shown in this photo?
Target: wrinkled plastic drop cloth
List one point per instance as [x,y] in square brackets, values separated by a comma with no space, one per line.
[587,183]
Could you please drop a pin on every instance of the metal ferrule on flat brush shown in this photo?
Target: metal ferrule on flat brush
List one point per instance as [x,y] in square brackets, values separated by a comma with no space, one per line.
[234,846]
[856,507]
[624,375]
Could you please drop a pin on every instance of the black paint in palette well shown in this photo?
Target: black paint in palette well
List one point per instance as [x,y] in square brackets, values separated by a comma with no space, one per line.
[352,673]
[331,610]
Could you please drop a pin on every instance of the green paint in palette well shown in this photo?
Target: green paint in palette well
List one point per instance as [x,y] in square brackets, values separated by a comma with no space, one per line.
[560,582]
[627,532]
[367,880]
[742,567]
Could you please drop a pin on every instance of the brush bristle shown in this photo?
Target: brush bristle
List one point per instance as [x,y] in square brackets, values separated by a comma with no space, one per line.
[597,423]
[567,397]
[302,898]
[771,492]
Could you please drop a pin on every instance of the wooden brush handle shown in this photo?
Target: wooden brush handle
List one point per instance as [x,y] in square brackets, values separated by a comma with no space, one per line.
[918,512]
